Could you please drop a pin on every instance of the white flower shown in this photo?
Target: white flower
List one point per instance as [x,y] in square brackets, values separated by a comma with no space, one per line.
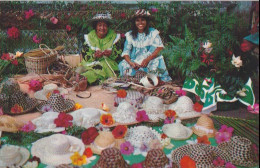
[242,92]
[236,61]
[166,143]
[33,164]
[207,44]
[192,141]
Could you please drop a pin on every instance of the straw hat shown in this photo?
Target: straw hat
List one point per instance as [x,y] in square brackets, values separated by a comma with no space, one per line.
[142,13]
[9,124]
[125,113]
[154,108]
[105,140]
[57,103]
[13,156]
[87,117]
[240,151]
[107,17]
[48,89]
[57,149]
[45,123]
[204,126]
[111,158]
[184,108]
[135,98]
[177,131]
[156,158]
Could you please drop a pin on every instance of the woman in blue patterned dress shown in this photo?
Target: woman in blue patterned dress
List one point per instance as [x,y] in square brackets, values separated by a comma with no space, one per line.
[142,47]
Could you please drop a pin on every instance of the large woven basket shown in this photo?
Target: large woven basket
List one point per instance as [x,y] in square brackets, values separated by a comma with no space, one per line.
[39,64]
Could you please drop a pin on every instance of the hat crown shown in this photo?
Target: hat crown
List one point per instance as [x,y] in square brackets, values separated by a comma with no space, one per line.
[104,139]
[49,88]
[153,104]
[184,104]
[142,12]
[10,86]
[10,154]
[179,130]
[156,158]
[125,113]
[102,16]
[59,144]
[205,122]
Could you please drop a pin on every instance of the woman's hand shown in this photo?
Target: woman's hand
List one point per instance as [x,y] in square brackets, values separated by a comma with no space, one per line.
[134,65]
[145,62]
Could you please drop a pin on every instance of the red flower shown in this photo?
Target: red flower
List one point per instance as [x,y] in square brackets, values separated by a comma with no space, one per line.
[88,152]
[16,109]
[13,33]
[6,56]
[197,107]
[204,140]
[68,28]
[163,136]
[246,46]
[154,10]
[28,14]
[35,85]
[170,113]
[54,20]
[15,62]
[187,162]
[122,35]
[89,135]
[119,131]
[63,120]
[206,58]
[121,93]
[107,119]
[123,15]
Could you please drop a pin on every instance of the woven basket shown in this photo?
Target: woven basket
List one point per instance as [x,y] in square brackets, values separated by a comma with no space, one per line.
[39,64]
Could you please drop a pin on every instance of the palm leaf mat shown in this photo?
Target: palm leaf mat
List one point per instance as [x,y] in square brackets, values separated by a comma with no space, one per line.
[242,127]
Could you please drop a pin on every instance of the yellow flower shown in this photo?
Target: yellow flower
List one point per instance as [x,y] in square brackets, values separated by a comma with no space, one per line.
[18,54]
[78,160]
[77,106]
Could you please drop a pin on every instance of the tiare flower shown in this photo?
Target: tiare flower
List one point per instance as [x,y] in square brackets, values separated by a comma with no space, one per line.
[236,61]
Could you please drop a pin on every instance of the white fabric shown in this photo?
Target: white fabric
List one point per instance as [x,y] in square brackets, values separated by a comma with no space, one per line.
[206,130]
[125,113]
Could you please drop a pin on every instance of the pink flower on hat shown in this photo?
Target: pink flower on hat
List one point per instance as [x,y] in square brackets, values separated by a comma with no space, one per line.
[218,162]
[229,165]
[28,127]
[253,109]
[126,148]
[35,85]
[63,120]
[181,92]
[225,128]
[222,137]
[141,116]
[54,20]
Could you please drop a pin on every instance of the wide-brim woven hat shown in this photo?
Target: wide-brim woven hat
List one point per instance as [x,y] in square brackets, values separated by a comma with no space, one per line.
[177,131]
[111,158]
[48,89]
[17,158]
[142,13]
[57,149]
[57,104]
[155,158]
[202,154]
[105,140]
[184,108]
[45,123]
[9,124]
[204,126]
[240,151]
[106,17]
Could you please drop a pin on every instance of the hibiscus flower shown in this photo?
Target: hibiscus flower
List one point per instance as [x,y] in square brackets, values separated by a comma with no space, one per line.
[107,119]
[229,165]
[54,20]
[253,109]
[119,131]
[225,128]
[197,107]
[6,56]
[36,39]
[170,113]
[28,14]
[28,127]
[219,162]
[121,93]
[187,162]
[14,62]
[63,120]
[142,116]
[222,137]
[137,165]
[204,140]
[13,33]
[89,135]
[88,152]
[68,28]
[35,85]
[181,92]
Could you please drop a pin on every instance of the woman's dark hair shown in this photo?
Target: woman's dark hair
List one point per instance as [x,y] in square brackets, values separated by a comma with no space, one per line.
[94,24]
[135,29]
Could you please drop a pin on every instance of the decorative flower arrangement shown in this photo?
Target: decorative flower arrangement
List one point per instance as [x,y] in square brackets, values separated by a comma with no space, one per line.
[13,33]
[141,116]
[17,109]
[224,134]
[107,119]
[197,107]
[119,131]
[253,109]
[187,162]
[89,135]
[28,127]
[63,120]
[204,140]
[35,85]
[78,160]
[126,148]
[121,93]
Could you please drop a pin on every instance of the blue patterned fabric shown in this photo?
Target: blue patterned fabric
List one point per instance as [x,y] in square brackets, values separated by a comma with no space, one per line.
[139,49]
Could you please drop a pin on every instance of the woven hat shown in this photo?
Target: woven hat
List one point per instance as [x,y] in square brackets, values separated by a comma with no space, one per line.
[154,108]
[47,90]
[11,98]
[87,117]
[142,13]
[104,140]
[11,155]
[135,98]
[166,93]
[9,124]
[202,154]
[240,151]
[111,158]
[155,158]
[125,113]
[184,108]
[107,17]
[57,149]
[141,135]
[177,131]
[57,103]
[204,126]
[45,123]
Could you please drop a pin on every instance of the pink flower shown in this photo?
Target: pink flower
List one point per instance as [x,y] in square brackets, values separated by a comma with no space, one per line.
[154,10]
[68,28]
[122,35]
[15,62]
[13,33]
[169,120]
[1,111]
[64,132]
[254,109]
[6,56]
[36,39]
[28,127]
[137,165]
[180,92]
[229,165]
[225,128]
[28,14]
[218,162]
[141,116]
[126,148]
[222,137]
[35,85]
[54,20]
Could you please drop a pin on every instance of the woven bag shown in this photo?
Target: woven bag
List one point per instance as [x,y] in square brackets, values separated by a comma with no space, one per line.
[38,60]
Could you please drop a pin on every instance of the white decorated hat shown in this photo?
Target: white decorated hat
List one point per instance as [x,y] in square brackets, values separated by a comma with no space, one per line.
[184,108]
[87,117]
[11,155]
[177,131]
[45,123]
[47,90]
[57,149]
[125,113]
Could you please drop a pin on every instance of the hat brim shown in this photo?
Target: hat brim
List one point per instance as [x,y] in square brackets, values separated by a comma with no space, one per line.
[40,95]
[69,105]
[91,21]
[25,156]
[31,104]
[39,149]
[167,127]
[8,121]
[202,133]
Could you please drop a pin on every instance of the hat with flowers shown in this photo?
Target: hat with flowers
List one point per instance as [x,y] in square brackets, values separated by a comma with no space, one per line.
[142,13]
[107,17]
[47,90]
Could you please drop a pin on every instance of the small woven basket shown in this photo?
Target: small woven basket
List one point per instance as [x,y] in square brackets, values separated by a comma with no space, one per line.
[39,64]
